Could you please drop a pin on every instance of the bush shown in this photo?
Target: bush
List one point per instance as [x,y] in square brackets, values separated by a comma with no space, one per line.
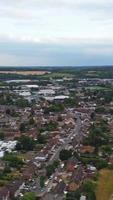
[2,136]
[29,196]
[13,160]
[65,154]
[89,189]
[25,143]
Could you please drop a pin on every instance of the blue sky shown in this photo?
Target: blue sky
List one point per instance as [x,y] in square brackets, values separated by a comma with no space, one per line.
[56,32]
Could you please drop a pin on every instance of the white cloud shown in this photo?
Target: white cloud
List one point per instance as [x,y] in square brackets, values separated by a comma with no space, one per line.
[6,59]
[58,2]
[57,22]
[99,51]
[61,18]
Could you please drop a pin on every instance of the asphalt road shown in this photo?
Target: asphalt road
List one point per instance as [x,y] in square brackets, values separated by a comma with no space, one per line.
[76,134]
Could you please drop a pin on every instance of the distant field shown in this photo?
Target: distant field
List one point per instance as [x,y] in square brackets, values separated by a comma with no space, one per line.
[45,74]
[25,72]
[105,185]
[98,88]
[59,75]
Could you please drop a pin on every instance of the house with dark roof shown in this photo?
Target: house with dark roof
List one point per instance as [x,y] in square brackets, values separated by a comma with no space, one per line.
[4,194]
[12,190]
[59,189]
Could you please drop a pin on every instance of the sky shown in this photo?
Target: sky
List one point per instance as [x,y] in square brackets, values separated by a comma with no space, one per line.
[56,32]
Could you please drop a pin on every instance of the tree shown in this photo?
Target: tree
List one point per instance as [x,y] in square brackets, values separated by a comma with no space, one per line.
[100,109]
[41,139]
[22,103]
[73,195]
[42,181]
[6,170]
[101,164]
[29,196]
[31,121]
[93,115]
[25,143]
[98,135]
[22,127]
[50,169]
[8,111]
[56,107]
[65,154]
[51,126]
[89,189]
[13,160]
[2,136]
[70,102]
[56,163]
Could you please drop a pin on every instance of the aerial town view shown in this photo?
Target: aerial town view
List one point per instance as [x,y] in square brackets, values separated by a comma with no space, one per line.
[56,99]
[56,134]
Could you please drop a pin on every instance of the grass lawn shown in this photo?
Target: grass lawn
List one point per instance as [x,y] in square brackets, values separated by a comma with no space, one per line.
[26,155]
[104,189]
[98,88]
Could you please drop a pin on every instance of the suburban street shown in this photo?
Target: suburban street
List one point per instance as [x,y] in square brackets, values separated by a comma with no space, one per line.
[76,134]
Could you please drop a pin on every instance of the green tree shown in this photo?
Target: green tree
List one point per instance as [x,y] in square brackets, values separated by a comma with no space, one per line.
[31,121]
[25,143]
[98,135]
[50,169]
[56,107]
[22,127]
[65,154]
[56,163]
[73,195]
[8,111]
[51,126]
[101,164]
[70,102]
[100,109]
[13,160]
[42,181]
[89,189]
[41,139]
[2,136]
[29,196]
[22,103]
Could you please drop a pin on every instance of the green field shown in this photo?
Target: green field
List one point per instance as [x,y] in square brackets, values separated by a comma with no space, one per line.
[98,88]
[104,189]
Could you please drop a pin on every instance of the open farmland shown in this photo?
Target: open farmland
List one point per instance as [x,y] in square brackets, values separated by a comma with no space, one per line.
[98,88]
[105,185]
[25,72]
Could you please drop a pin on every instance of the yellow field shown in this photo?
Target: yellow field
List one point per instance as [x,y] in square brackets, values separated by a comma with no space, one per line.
[25,72]
[105,185]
